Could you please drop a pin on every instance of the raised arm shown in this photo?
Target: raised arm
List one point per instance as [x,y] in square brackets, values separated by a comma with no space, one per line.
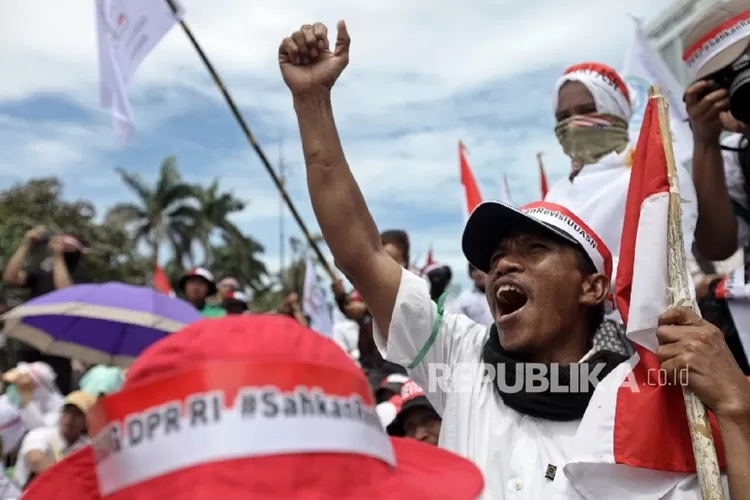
[310,70]
[716,230]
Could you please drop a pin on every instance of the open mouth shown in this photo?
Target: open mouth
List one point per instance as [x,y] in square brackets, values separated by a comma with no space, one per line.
[510,299]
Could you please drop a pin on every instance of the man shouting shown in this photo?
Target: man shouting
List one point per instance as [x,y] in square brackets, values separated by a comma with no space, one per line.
[548,277]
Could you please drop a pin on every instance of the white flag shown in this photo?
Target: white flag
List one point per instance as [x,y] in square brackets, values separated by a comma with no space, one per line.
[643,67]
[314,302]
[127,30]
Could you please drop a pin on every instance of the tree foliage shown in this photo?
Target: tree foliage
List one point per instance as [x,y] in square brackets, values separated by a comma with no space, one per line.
[183,217]
[171,215]
[112,254]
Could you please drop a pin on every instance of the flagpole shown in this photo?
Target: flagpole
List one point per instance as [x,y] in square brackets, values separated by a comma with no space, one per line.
[704,448]
[251,139]
[282,178]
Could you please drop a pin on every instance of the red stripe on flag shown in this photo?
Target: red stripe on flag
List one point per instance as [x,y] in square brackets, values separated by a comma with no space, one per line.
[471,189]
[651,427]
[647,178]
[161,281]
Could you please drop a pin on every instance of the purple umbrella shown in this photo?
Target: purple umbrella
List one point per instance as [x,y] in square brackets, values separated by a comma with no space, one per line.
[111,323]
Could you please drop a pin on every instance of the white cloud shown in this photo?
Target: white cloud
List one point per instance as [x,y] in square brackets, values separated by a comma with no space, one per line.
[422,75]
[447,45]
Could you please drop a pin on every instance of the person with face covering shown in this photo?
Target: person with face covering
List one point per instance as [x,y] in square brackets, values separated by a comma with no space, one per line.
[592,109]
[62,268]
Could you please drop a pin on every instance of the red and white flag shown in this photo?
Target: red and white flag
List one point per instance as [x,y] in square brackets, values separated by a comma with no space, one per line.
[635,430]
[471,189]
[505,194]
[161,281]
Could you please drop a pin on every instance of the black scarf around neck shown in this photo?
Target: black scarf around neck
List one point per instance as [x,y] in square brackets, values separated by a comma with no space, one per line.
[551,403]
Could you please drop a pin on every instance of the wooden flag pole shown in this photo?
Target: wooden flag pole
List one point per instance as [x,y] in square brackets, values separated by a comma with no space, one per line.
[704,449]
[251,139]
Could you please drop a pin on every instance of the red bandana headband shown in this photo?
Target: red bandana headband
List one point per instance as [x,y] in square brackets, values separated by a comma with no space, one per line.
[609,90]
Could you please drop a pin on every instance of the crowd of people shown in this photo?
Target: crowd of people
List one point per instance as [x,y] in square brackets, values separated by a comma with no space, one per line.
[242,405]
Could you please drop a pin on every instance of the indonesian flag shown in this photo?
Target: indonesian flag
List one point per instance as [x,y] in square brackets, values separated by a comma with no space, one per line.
[634,442]
[471,190]
[505,194]
[161,281]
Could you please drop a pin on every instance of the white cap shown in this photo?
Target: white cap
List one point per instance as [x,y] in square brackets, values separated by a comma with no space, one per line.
[491,221]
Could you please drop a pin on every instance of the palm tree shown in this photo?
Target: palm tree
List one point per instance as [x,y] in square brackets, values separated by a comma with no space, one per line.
[212,214]
[239,258]
[162,213]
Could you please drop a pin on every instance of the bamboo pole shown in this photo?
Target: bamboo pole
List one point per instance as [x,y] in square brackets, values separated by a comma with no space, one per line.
[704,449]
[251,139]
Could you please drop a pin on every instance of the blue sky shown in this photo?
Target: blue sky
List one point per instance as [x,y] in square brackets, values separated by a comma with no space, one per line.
[423,74]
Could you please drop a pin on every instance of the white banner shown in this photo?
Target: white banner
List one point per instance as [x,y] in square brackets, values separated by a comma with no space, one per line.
[127,30]
[314,302]
[644,67]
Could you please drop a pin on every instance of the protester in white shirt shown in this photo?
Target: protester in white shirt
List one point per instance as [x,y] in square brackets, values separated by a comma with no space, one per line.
[548,279]
[33,391]
[592,109]
[44,446]
[472,303]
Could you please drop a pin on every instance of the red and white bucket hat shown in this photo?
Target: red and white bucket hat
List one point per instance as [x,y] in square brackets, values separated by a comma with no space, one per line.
[249,407]
[199,272]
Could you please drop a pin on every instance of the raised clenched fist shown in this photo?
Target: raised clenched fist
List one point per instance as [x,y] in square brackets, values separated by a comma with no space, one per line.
[307,63]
